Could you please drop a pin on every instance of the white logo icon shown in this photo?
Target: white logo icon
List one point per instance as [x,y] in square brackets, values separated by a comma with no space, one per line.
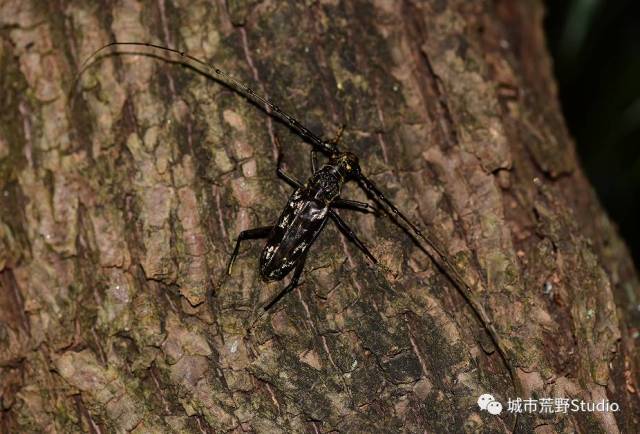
[494,407]
[487,402]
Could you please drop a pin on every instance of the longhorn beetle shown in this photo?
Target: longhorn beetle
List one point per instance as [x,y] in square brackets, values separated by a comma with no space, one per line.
[303,218]
[312,204]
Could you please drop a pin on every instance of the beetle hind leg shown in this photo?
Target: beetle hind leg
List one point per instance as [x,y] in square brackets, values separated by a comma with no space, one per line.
[287,289]
[250,234]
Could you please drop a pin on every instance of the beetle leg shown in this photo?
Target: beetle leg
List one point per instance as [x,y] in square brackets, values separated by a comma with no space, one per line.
[281,173]
[314,160]
[288,178]
[250,234]
[346,230]
[354,204]
[338,136]
[292,284]
[332,143]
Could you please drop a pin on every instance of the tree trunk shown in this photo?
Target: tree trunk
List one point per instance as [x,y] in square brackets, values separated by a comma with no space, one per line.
[121,201]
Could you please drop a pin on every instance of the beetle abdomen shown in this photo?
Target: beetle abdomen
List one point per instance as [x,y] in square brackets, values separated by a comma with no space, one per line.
[298,226]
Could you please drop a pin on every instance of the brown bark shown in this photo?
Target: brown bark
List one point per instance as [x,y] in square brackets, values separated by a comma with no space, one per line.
[119,209]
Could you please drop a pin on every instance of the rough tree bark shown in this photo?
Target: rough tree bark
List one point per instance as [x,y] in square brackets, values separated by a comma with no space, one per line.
[119,210]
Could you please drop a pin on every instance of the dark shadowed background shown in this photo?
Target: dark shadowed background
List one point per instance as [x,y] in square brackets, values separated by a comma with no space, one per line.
[596,49]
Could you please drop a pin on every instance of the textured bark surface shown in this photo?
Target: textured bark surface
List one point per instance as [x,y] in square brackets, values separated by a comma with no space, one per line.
[118,211]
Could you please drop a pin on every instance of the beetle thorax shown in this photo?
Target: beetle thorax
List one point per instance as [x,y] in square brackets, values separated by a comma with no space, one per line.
[327,184]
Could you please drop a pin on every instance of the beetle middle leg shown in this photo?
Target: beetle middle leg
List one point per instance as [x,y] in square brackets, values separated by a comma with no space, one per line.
[354,204]
[250,234]
[346,230]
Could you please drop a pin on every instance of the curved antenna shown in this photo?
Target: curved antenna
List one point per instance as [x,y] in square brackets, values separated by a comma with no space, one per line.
[371,188]
[442,261]
[238,87]
[441,258]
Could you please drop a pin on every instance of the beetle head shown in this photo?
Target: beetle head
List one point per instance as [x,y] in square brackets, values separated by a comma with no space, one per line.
[347,163]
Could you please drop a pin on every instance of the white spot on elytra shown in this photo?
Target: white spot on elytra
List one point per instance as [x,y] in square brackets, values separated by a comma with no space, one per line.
[300,247]
[284,222]
[269,252]
[318,214]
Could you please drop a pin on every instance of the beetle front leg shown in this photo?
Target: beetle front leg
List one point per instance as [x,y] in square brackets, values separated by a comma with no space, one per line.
[336,140]
[314,160]
[281,173]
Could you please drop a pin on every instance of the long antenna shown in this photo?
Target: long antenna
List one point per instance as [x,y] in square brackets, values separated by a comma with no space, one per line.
[443,262]
[331,148]
[226,79]
[464,289]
